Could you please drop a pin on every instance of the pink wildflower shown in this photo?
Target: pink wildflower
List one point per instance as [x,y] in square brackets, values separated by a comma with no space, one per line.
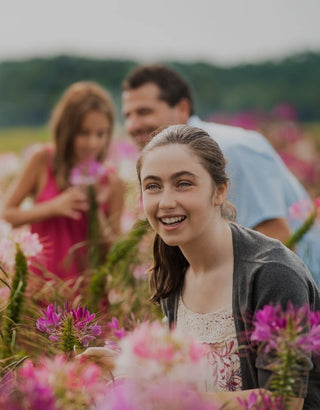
[84,329]
[301,210]
[140,272]
[285,111]
[57,383]
[87,173]
[295,326]
[151,351]
[29,242]
[7,254]
[50,323]
[118,331]
[262,402]
[162,395]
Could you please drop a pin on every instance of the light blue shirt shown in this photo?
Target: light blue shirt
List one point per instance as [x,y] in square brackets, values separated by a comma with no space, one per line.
[261,186]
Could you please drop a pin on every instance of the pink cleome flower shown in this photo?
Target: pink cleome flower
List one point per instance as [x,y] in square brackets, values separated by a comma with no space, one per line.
[89,173]
[297,326]
[28,242]
[54,318]
[55,383]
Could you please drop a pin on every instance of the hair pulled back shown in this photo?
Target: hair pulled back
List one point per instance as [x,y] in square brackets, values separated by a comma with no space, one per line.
[167,272]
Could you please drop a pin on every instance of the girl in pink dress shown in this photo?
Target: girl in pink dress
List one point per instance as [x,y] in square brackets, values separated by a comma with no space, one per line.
[82,125]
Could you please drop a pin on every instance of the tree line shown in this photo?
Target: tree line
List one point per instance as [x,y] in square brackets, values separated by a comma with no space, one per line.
[30,88]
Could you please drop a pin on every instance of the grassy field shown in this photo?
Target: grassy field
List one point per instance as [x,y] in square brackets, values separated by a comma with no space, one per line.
[17,139]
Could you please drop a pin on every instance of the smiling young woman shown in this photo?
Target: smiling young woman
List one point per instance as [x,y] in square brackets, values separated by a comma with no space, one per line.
[210,274]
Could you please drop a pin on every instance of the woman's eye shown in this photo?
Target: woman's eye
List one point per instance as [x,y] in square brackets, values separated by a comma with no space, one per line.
[183,184]
[151,187]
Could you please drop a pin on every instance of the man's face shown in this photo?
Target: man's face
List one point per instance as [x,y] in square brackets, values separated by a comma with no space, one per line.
[144,112]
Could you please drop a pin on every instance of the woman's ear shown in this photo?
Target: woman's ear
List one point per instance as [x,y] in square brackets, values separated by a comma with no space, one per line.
[220,194]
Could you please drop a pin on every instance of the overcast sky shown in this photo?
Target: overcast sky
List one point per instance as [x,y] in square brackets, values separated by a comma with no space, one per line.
[222,32]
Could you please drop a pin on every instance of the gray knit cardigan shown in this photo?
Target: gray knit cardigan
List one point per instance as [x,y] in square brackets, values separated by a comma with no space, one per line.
[265,272]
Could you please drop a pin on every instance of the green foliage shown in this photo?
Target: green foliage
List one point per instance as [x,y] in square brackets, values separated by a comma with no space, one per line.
[29,89]
[118,275]
[123,251]
[68,340]
[94,232]
[304,228]
[14,309]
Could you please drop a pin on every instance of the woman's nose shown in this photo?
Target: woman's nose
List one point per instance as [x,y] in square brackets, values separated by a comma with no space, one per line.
[167,200]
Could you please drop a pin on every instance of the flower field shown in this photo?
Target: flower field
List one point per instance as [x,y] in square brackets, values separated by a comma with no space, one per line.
[47,323]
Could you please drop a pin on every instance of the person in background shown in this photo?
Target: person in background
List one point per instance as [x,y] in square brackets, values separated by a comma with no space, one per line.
[262,188]
[211,275]
[82,126]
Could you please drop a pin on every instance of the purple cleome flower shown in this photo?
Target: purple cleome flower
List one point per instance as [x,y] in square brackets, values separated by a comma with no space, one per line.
[118,331]
[84,329]
[87,173]
[51,322]
[296,325]
[262,402]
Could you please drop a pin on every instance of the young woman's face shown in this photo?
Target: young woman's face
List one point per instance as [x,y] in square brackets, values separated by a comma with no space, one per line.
[93,138]
[178,196]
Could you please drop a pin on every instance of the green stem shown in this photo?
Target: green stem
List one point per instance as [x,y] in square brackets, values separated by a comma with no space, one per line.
[14,309]
[300,232]
[94,234]
[123,249]
[69,339]
[284,373]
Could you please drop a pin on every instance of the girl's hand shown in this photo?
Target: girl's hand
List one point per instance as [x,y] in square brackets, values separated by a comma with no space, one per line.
[105,187]
[70,203]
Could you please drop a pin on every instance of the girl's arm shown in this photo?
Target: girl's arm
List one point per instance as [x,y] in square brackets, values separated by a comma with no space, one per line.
[68,203]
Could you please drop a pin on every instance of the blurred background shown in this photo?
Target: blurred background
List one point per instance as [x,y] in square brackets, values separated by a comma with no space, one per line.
[250,63]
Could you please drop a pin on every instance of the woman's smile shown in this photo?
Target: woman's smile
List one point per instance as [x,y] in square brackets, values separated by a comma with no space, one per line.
[177,194]
[172,221]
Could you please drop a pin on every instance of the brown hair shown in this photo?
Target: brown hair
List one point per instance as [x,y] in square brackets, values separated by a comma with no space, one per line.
[173,88]
[167,272]
[66,120]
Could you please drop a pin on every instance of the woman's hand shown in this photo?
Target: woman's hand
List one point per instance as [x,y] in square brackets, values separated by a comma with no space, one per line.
[105,187]
[102,356]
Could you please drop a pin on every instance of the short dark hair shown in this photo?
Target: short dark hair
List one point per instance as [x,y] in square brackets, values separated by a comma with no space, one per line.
[173,88]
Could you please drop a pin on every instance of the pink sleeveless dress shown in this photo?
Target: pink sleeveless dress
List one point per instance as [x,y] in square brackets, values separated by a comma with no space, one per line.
[59,235]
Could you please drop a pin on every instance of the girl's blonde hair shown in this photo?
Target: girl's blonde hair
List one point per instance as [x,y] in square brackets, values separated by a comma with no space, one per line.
[66,121]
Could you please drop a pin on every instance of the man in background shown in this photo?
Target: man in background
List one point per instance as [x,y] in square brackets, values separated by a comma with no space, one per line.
[261,187]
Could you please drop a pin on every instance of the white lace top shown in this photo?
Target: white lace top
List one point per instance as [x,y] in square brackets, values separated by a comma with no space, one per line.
[216,329]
